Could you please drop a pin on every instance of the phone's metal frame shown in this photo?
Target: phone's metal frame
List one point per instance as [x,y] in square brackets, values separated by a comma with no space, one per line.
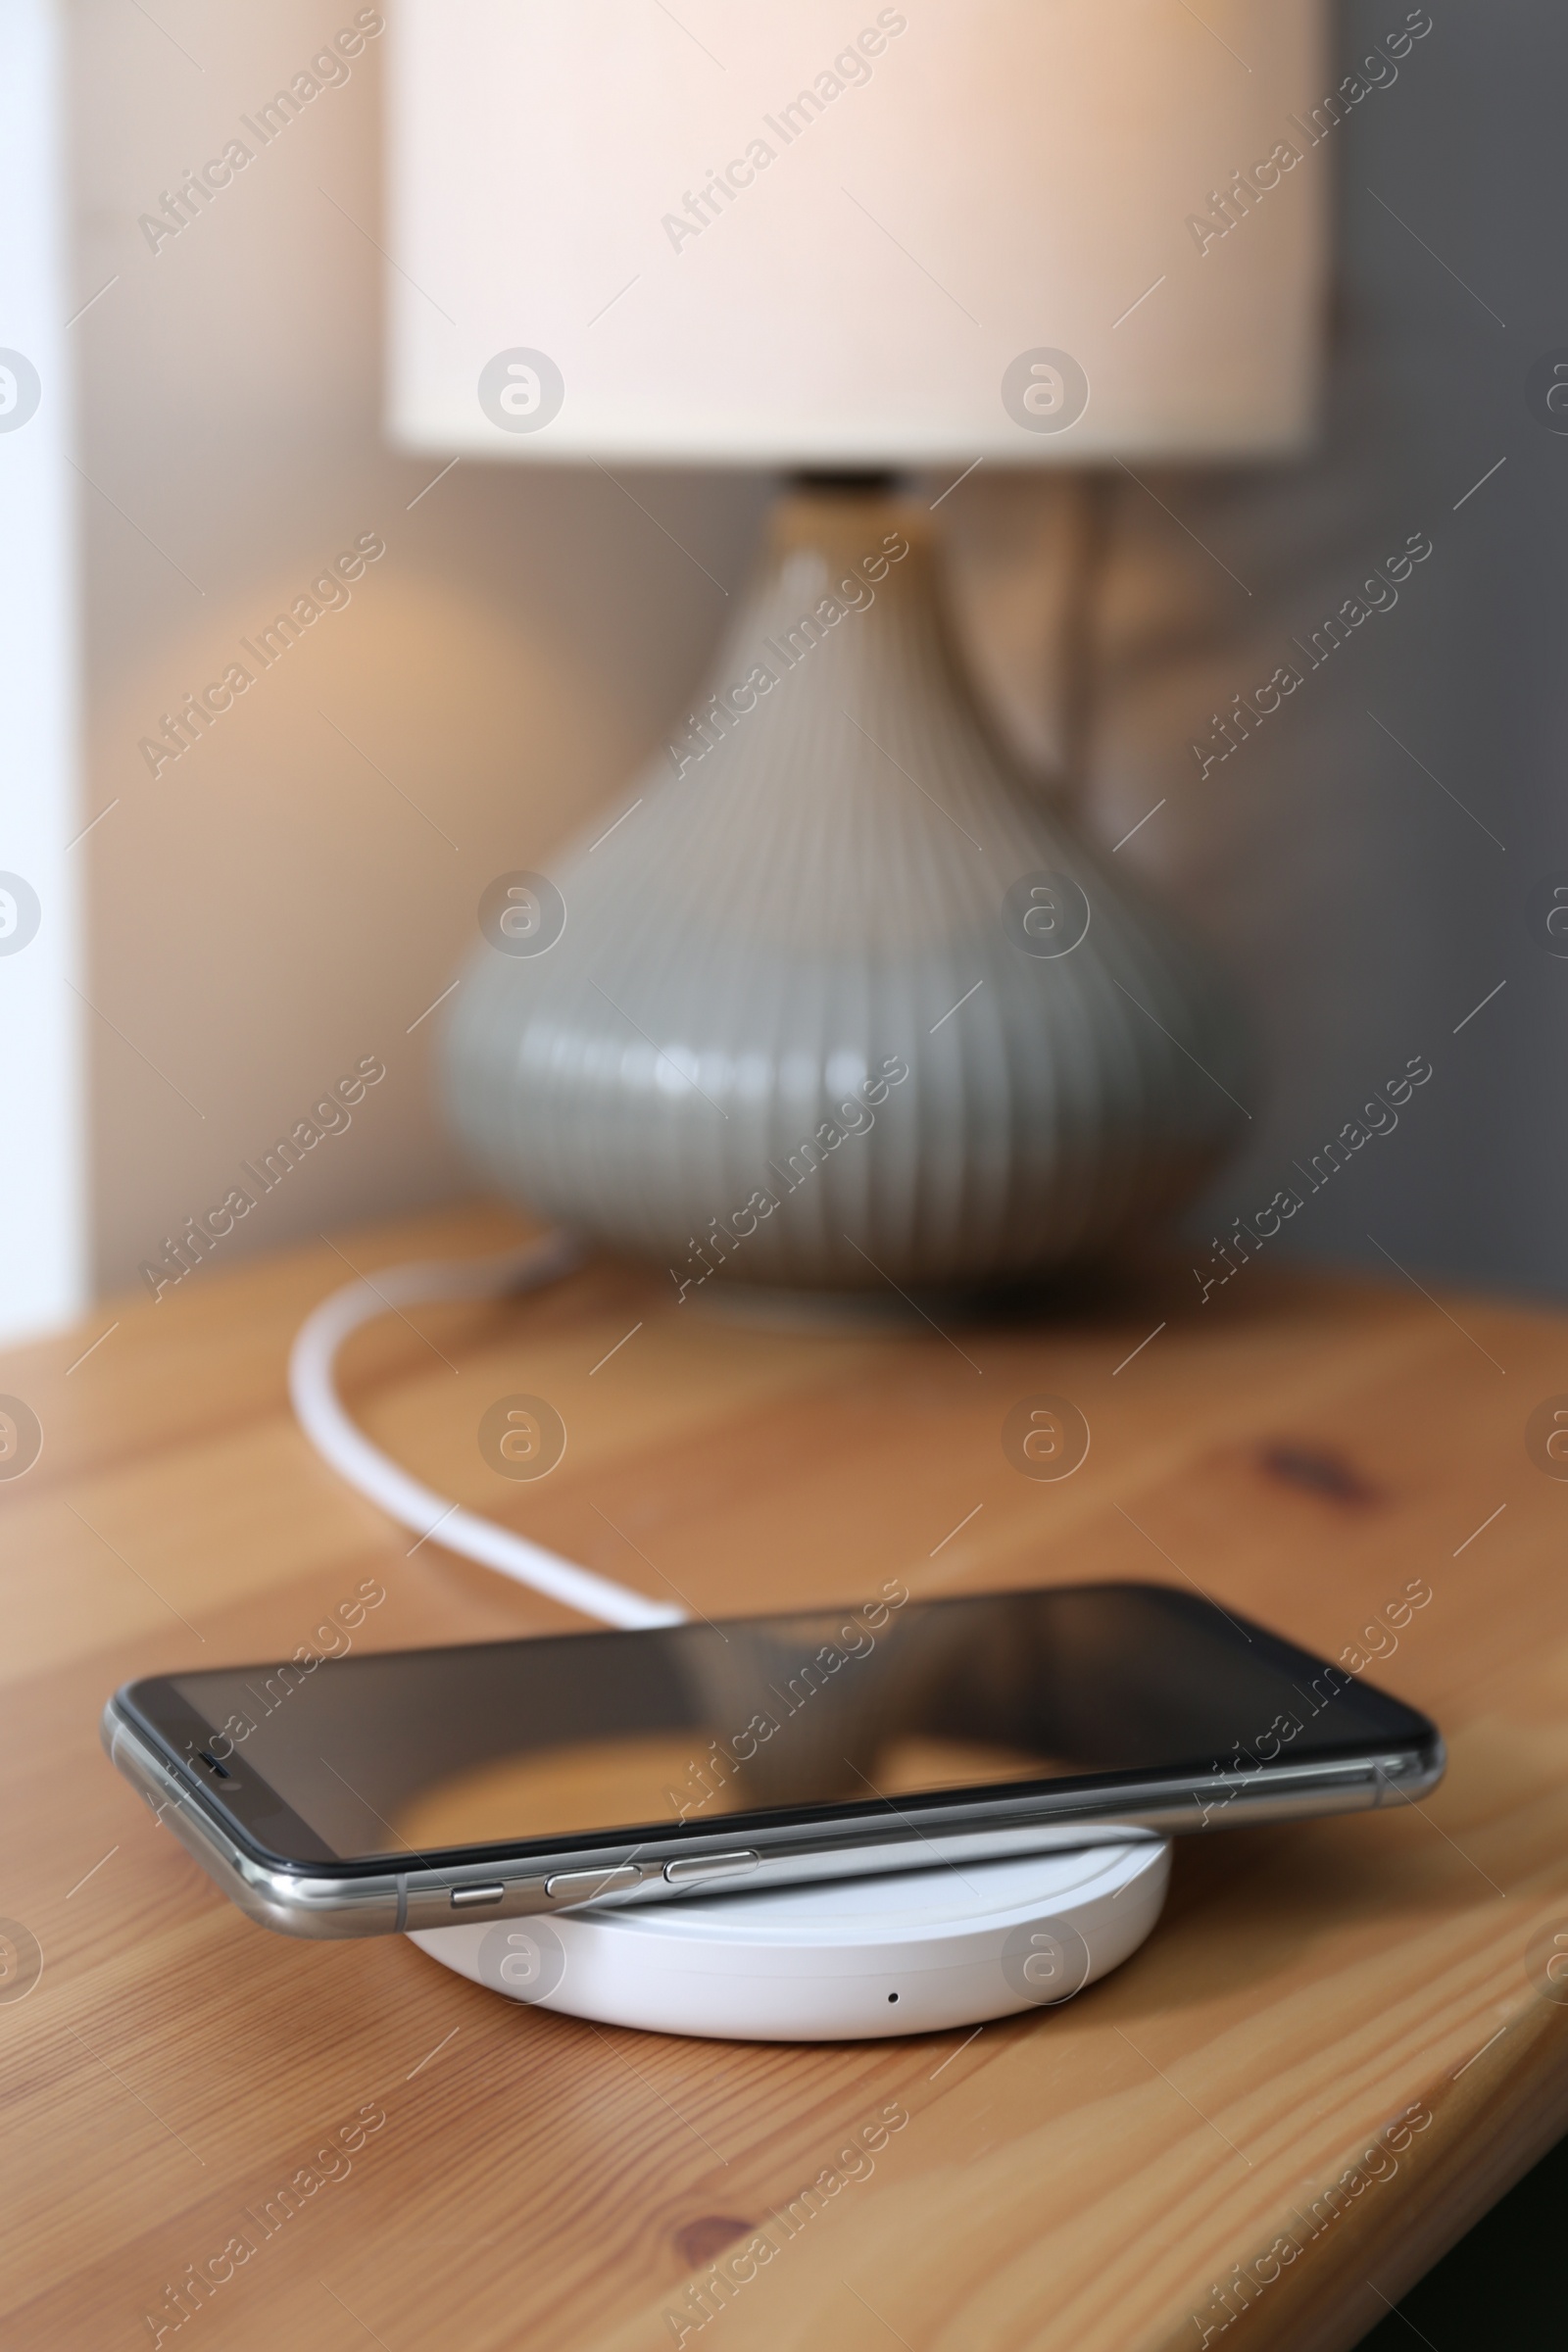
[307,1900]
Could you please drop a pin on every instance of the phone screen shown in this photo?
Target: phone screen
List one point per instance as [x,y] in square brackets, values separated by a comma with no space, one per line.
[420,1754]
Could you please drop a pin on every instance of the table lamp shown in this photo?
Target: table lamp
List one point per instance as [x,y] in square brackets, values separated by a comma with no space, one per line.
[836,998]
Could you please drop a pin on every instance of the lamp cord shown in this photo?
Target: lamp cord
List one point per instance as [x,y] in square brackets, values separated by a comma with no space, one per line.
[322,1415]
[1094,496]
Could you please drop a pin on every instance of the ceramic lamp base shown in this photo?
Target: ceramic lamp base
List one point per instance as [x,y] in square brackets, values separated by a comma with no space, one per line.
[839,1000]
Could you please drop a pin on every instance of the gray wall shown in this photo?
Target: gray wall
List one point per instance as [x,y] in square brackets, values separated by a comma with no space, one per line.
[1365,912]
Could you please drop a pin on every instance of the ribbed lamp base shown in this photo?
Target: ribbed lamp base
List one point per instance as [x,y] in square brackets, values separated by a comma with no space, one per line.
[842,1002]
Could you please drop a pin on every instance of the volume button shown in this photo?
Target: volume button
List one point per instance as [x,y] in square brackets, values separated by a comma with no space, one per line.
[703,1868]
[587,1886]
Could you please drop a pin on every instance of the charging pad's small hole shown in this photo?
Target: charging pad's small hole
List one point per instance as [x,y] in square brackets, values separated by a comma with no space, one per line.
[892,1996]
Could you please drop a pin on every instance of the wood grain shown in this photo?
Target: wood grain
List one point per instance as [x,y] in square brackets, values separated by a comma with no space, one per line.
[1300,1447]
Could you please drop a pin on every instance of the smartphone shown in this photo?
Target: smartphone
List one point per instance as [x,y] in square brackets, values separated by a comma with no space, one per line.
[361,1796]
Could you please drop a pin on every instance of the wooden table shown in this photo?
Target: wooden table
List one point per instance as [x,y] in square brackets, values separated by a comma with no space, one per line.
[1085,2177]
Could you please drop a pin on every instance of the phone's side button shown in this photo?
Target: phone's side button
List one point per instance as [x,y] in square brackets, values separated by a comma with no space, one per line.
[705,1867]
[587,1886]
[473,1899]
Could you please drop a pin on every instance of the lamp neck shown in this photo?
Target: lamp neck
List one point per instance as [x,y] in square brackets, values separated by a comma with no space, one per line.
[846,518]
[843,480]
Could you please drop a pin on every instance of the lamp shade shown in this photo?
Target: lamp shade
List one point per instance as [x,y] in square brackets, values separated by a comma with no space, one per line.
[843,234]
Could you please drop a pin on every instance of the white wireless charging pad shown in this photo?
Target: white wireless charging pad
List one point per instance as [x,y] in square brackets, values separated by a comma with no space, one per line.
[909,1953]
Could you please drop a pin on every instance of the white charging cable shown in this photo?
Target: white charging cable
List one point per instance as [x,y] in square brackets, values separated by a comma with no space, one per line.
[320,1410]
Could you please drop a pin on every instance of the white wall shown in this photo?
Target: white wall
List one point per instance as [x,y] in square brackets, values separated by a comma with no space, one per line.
[42,1232]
